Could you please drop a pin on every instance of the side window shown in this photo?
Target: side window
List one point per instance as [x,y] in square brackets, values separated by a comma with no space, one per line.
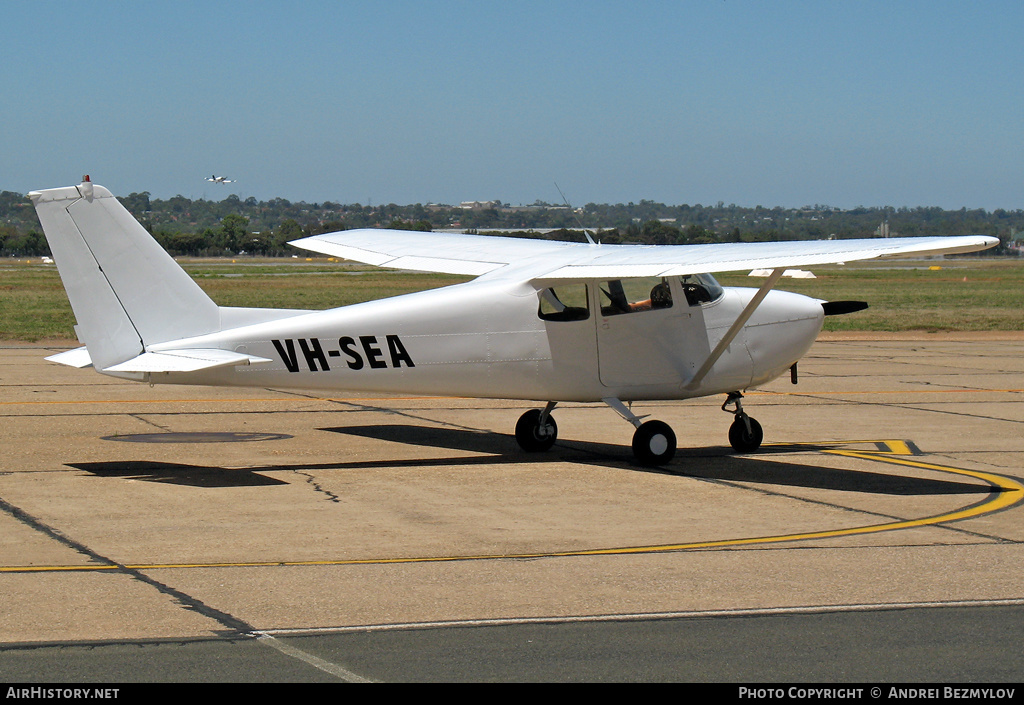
[568,303]
[633,295]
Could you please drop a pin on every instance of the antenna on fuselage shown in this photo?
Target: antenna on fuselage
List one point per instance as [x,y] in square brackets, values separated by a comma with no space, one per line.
[578,221]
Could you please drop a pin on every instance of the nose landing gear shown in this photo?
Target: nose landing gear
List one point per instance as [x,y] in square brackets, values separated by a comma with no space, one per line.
[745,434]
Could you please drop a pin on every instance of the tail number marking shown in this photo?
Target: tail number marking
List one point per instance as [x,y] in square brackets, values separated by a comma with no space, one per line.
[359,353]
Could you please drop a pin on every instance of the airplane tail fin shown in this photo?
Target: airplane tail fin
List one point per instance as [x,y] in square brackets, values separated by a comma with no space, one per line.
[125,290]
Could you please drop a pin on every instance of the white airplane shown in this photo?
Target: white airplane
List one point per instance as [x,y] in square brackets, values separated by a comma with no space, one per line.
[545,321]
[221,179]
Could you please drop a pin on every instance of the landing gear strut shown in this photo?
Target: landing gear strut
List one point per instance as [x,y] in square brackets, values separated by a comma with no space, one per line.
[745,434]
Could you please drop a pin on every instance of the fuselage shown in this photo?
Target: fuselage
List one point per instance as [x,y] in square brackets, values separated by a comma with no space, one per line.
[504,339]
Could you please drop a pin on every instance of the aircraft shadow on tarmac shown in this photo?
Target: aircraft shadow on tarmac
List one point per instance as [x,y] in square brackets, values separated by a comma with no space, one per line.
[179,473]
[716,464]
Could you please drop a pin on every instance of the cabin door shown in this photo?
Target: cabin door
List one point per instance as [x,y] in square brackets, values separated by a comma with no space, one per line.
[647,333]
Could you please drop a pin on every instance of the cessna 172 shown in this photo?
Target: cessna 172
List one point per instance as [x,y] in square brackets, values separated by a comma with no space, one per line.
[545,321]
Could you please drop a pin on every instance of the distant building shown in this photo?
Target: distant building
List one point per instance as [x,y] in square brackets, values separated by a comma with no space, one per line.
[479,205]
[1016,243]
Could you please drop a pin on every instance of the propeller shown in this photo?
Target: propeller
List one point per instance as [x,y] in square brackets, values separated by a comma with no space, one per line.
[838,308]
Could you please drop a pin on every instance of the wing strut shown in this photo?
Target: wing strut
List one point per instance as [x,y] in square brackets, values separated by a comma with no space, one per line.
[736,327]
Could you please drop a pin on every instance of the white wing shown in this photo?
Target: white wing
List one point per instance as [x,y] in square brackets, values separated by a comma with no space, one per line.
[672,260]
[545,259]
[451,253]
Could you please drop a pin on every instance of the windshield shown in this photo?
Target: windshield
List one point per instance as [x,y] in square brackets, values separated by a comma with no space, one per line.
[701,288]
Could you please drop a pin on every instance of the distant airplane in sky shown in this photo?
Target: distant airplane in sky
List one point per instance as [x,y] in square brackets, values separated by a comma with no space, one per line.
[220,179]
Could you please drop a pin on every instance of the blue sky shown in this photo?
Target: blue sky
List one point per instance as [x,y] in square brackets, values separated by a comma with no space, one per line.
[752,102]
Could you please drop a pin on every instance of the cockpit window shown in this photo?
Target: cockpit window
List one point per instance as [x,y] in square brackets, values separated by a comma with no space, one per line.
[568,303]
[700,288]
[633,295]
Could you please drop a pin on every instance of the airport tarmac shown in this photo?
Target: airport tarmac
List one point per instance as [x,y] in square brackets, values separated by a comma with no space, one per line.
[891,477]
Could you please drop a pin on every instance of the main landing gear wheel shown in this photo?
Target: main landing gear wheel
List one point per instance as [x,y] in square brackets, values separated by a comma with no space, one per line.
[535,434]
[654,443]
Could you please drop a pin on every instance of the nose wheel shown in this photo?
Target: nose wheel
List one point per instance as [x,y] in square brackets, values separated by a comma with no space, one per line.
[745,434]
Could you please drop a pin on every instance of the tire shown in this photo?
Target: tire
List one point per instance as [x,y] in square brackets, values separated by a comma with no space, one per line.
[654,443]
[742,440]
[531,437]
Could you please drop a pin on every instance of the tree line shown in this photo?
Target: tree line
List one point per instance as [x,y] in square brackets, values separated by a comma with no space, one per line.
[234,226]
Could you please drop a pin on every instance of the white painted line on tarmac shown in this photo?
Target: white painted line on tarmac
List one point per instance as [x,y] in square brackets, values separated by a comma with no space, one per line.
[315,661]
[643,616]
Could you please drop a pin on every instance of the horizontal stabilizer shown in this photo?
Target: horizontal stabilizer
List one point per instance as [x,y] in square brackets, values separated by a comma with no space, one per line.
[185,361]
[79,357]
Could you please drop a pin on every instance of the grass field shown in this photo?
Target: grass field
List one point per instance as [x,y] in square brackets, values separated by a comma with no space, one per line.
[936,295]
[984,294]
